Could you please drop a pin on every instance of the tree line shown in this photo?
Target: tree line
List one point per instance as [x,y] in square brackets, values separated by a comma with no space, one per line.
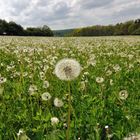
[131,27]
[12,28]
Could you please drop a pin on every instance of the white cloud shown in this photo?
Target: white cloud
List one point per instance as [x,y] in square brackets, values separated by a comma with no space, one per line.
[59,14]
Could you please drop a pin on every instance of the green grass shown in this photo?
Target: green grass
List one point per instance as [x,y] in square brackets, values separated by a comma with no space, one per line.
[31,61]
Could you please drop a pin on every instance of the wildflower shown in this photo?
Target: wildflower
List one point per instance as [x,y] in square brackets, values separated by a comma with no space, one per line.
[92,62]
[45,68]
[130,56]
[106,127]
[117,68]
[123,94]
[54,120]
[67,69]
[86,73]
[25,74]
[21,131]
[58,102]
[22,135]
[2,80]
[42,75]
[46,96]
[32,89]
[65,125]
[110,136]
[131,66]
[46,84]
[99,80]
[111,82]
[132,136]
[109,72]
[82,85]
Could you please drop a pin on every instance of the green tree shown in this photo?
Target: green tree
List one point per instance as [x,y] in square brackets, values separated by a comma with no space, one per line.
[3,26]
[14,29]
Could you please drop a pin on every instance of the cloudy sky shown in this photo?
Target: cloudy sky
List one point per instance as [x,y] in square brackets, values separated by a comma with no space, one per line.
[62,14]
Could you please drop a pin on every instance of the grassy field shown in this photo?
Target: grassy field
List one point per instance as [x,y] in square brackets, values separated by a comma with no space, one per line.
[105,97]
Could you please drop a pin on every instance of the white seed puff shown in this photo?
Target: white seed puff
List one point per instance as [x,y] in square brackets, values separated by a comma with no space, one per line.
[54,120]
[67,69]
[58,102]
[123,94]
[46,96]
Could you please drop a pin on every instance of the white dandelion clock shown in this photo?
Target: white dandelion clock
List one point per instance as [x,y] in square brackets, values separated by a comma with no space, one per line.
[132,136]
[2,79]
[33,89]
[83,85]
[46,96]
[111,82]
[46,84]
[109,72]
[22,135]
[106,127]
[67,69]
[117,68]
[123,94]
[99,80]
[54,120]
[58,102]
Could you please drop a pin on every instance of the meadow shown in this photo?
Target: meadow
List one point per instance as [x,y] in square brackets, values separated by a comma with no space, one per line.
[105,97]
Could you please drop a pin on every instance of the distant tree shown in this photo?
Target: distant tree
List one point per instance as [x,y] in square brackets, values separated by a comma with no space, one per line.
[39,31]
[134,27]
[127,28]
[136,32]
[131,27]
[46,30]
[14,29]
[3,27]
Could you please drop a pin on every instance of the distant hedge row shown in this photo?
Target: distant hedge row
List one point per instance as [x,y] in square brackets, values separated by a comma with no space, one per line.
[11,28]
[127,28]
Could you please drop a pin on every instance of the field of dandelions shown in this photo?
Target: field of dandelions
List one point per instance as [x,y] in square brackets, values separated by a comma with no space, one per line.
[70,88]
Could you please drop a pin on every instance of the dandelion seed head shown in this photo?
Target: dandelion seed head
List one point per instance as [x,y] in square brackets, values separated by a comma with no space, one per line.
[65,125]
[99,80]
[23,137]
[67,69]
[32,89]
[82,85]
[106,127]
[132,136]
[46,84]
[109,72]
[2,79]
[54,120]
[123,94]
[111,82]
[58,102]
[20,132]
[117,68]
[46,96]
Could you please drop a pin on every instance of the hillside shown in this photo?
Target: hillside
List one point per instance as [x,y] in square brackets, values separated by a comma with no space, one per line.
[131,27]
[62,32]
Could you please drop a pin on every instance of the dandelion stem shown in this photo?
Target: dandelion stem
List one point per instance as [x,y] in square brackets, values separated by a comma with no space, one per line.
[69,112]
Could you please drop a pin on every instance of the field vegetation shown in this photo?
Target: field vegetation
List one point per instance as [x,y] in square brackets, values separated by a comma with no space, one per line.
[100,102]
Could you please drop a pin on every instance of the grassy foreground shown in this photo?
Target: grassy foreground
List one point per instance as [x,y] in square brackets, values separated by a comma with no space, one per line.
[105,98]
